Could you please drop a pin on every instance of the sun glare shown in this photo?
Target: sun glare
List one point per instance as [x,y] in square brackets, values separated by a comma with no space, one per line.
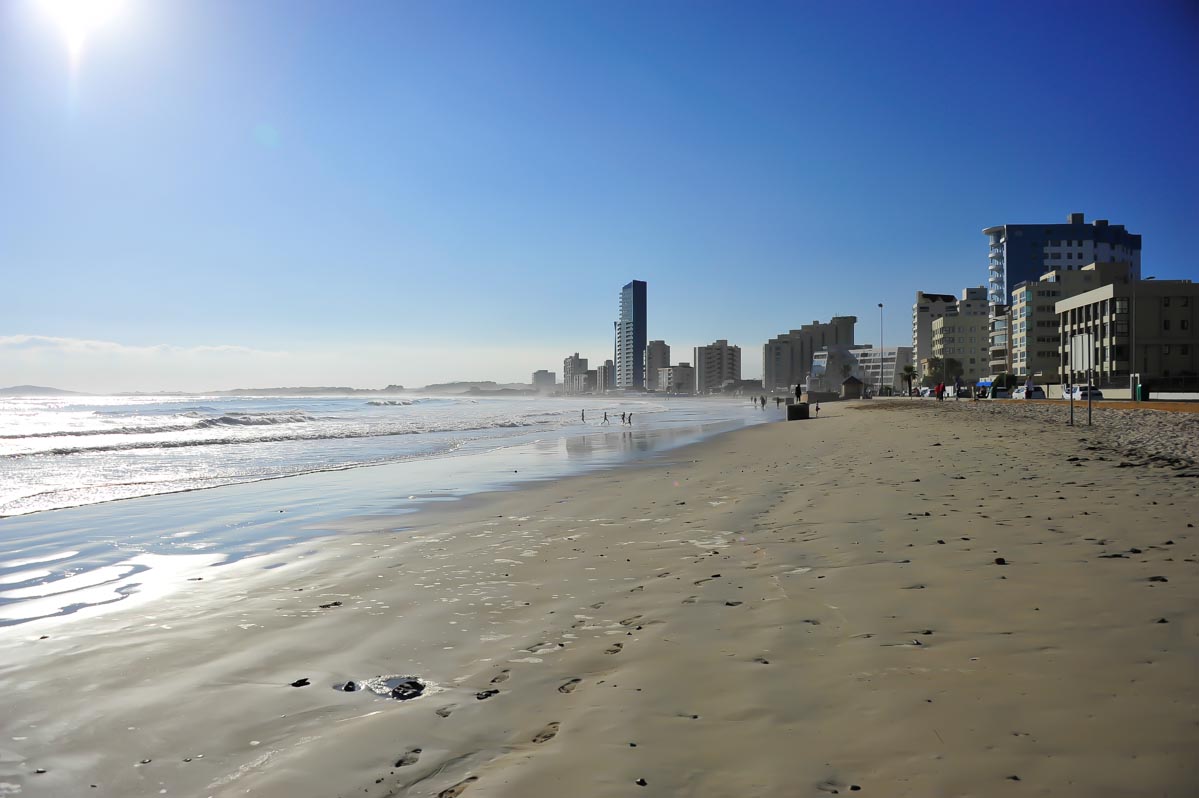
[79,19]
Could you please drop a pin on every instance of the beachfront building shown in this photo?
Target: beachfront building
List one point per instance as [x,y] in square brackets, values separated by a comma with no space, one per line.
[605,376]
[882,369]
[657,356]
[630,337]
[572,366]
[833,364]
[716,364]
[787,358]
[930,307]
[1022,252]
[583,382]
[1035,339]
[544,381]
[1000,325]
[677,379]
[1147,327]
[965,339]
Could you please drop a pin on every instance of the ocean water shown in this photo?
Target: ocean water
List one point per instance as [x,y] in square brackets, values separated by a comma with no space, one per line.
[89,516]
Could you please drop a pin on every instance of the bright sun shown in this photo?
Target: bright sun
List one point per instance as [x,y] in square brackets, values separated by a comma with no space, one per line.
[78,19]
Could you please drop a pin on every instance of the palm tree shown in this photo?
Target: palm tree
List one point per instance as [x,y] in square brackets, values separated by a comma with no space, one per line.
[909,374]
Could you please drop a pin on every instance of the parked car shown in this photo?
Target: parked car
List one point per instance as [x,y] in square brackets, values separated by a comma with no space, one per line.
[1037,392]
[1082,392]
[926,392]
[995,392]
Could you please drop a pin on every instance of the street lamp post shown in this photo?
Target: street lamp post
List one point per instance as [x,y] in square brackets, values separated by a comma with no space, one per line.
[880,348]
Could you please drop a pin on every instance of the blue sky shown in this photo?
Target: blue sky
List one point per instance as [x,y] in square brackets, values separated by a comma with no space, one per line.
[225,193]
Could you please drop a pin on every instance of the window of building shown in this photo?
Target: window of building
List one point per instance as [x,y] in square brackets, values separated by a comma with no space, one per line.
[1122,305]
[1184,349]
[1165,302]
[1165,324]
[1165,349]
[1184,324]
[1184,301]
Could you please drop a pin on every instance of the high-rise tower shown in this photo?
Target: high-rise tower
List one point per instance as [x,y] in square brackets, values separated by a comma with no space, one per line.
[1022,252]
[631,336]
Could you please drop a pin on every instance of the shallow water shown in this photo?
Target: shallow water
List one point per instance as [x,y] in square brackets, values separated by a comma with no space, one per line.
[80,561]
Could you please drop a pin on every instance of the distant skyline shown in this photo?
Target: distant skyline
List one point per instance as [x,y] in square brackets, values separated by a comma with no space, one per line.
[208,194]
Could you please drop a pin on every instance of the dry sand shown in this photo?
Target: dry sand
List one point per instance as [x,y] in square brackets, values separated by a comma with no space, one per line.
[797,609]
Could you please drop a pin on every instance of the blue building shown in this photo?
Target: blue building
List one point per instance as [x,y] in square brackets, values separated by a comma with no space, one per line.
[1023,252]
[631,337]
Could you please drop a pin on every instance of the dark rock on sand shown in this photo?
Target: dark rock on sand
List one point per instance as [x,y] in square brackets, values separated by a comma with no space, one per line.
[407,689]
[1000,561]
[300,683]
[482,695]
[1158,579]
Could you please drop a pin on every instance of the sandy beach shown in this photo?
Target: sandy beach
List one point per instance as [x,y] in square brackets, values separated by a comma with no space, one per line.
[894,599]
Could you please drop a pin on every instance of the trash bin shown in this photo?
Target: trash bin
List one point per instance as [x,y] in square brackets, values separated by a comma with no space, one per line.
[797,411]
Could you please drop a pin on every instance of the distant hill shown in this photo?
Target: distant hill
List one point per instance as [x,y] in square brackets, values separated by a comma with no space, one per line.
[476,388]
[325,390]
[36,390]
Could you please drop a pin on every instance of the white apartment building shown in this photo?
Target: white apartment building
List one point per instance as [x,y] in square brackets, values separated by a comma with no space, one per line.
[677,379]
[864,363]
[966,339]
[605,376]
[1035,336]
[930,307]
[657,356]
[572,366]
[716,363]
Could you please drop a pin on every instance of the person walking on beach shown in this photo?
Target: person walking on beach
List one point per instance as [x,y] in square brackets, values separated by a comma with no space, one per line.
[817,409]
[957,387]
[583,416]
[1028,388]
[940,392]
[605,421]
[622,418]
[630,419]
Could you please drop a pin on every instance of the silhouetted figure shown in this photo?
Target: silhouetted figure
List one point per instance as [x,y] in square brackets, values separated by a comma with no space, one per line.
[605,421]
[630,419]
[622,415]
[778,401]
[583,416]
[797,393]
[817,409]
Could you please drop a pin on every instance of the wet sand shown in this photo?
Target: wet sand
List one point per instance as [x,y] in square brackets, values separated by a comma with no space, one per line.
[893,599]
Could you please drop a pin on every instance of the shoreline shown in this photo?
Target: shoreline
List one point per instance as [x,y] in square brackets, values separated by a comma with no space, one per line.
[830,639]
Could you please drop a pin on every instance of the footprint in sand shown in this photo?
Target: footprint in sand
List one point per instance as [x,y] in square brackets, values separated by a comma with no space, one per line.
[548,733]
[457,789]
[615,649]
[501,677]
[630,621]
[690,599]
[410,757]
[444,712]
[570,686]
[483,695]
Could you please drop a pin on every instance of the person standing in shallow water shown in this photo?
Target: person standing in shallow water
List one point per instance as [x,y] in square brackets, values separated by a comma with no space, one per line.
[622,415]
[583,416]
[630,419]
[605,421]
